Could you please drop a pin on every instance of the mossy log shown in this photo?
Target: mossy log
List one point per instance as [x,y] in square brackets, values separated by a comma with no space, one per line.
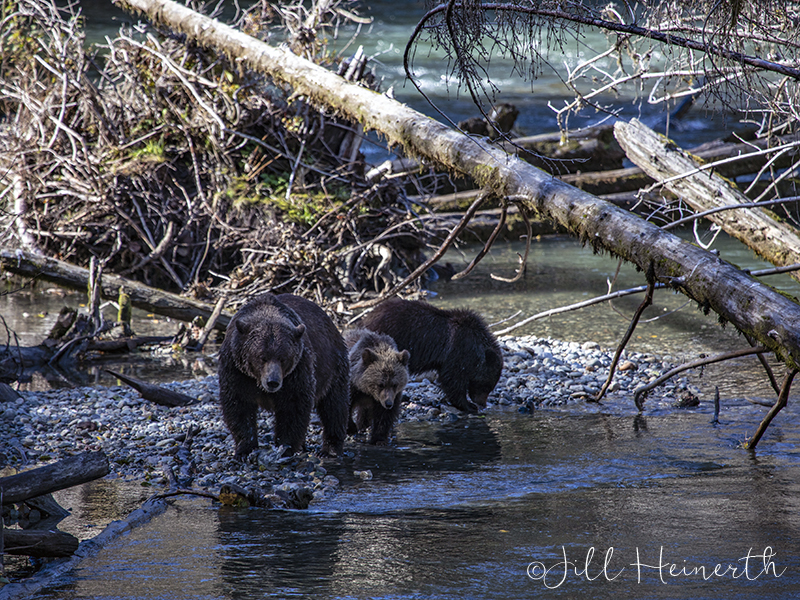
[754,308]
[757,228]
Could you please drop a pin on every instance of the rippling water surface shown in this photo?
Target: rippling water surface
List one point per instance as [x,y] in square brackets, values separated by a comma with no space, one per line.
[471,508]
[464,510]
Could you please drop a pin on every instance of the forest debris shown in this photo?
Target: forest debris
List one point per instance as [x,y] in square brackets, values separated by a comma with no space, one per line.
[222,191]
[152,392]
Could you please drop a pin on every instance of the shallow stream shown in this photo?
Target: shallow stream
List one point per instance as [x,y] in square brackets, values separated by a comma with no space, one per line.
[502,505]
[477,508]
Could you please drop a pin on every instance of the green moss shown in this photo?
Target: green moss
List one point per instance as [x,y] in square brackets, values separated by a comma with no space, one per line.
[300,207]
[152,150]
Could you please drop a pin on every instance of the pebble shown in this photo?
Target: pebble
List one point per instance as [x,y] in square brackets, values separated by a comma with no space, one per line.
[142,439]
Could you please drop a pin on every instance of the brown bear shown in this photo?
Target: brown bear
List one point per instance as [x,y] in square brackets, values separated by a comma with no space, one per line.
[457,344]
[284,354]
[378,376]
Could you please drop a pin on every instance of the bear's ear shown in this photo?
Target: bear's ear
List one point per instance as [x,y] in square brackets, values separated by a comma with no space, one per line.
[403,357]
[242,326]
[368,357]
[300,330]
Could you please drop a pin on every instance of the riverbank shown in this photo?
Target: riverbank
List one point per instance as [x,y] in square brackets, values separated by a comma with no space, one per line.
[142,440]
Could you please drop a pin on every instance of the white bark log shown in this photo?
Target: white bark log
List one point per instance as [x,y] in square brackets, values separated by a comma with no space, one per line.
[774,241]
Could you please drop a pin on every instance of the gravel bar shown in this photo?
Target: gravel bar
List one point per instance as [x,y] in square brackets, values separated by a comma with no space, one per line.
[143,440]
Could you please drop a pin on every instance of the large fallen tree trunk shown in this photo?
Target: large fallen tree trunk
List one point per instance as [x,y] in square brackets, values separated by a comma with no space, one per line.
[77,278]
[704,190]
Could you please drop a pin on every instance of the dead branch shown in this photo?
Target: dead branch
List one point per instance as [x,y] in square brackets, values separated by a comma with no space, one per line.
[639,395]
[154,393]
[647,301]
[780,403]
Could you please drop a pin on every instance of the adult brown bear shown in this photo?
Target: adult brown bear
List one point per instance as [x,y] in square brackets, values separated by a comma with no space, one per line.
[457,344]
[284,354]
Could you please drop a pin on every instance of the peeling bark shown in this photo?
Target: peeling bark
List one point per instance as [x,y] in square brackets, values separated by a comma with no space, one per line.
[756,228]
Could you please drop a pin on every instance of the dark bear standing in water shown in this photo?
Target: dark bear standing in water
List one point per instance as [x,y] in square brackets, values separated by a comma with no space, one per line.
[455,343]
[284,354]
[378,376]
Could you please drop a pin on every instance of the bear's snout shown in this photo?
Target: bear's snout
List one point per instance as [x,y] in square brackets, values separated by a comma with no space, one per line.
[387,398]
[272,377]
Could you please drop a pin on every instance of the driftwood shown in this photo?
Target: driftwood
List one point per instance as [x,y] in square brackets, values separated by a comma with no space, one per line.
[775,241]
[39,543]
[753,308]
[7,393]
[748,160]
[152,392]
[141,296]
[60,475]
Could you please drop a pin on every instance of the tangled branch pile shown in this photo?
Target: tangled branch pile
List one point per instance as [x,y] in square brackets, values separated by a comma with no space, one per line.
[170,166]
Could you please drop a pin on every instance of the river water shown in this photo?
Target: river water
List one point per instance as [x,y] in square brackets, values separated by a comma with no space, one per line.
[502,505]
[481,507]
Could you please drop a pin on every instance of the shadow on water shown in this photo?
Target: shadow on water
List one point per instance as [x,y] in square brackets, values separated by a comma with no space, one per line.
[463,510]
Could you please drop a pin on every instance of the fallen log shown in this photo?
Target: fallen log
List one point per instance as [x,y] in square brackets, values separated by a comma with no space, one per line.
[773,240]
[141,296]
[752,307]
[60,475]
[39,543]
[748,160]
[152,392]
[589,149]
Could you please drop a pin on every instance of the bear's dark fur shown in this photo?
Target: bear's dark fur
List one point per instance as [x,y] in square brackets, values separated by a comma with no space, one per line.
[457,344]
[284,354]
[378,376]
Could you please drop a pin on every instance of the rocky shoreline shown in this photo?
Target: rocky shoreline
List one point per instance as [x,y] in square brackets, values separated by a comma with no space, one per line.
[145,442]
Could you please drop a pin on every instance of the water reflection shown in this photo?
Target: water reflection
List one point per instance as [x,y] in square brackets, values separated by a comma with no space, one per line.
[461,511]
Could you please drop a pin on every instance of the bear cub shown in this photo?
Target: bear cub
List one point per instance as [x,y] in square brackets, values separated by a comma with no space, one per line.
[378,376]
[284,354]
[457,344]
